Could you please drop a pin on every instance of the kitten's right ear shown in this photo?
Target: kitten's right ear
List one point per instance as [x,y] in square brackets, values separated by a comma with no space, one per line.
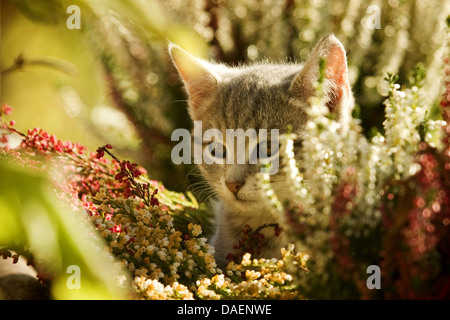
[199,79]
[336,74]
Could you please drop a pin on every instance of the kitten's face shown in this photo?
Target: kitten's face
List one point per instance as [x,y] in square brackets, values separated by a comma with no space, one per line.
[263,96]
[250,98]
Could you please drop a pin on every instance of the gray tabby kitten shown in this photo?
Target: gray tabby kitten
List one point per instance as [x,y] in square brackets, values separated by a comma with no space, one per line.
[260,96]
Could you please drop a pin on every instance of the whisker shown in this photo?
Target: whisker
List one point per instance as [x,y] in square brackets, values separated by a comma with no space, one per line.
[202,190]
[193,172]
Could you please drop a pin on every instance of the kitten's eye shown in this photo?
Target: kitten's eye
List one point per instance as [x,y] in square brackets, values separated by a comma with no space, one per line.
[266,149]
[216,151]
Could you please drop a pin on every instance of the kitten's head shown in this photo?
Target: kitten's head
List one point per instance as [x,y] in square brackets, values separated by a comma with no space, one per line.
[261,96]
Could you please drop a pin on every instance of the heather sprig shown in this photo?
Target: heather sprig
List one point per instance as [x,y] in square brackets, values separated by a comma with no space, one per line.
[144,225]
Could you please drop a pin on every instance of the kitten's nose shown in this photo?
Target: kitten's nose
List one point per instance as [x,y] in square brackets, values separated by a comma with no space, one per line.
[234,186]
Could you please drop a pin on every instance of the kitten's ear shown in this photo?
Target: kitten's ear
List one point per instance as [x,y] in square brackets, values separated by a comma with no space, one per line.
[199,79]
[336,73]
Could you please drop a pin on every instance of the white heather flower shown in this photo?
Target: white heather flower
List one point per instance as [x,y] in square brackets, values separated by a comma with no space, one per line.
[195,229]
[162,255]
[246,259]
[202,241]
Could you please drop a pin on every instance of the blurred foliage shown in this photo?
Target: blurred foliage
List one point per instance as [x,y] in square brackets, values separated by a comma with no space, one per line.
[33,220]
[125,90]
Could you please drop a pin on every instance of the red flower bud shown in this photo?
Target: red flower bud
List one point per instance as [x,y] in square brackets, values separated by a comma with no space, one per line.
[100,153]
[154,201]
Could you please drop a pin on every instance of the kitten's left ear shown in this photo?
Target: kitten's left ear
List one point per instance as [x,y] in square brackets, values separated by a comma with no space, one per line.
[336,73]
[199,78]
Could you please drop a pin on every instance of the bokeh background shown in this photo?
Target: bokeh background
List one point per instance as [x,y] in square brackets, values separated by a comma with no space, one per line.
[112,81]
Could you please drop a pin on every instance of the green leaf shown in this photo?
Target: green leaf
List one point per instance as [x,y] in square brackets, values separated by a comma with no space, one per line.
[32,214]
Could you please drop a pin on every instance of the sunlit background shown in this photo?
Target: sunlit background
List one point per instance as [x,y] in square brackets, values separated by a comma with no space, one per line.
[111,81]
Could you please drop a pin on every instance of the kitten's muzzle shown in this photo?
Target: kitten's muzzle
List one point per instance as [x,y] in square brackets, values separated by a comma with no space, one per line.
[234,187]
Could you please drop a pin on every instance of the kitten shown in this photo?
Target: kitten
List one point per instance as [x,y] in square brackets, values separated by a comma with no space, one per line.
[260,96]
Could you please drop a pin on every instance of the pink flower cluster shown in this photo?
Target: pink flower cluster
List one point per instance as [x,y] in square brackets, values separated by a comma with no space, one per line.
[42,142]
